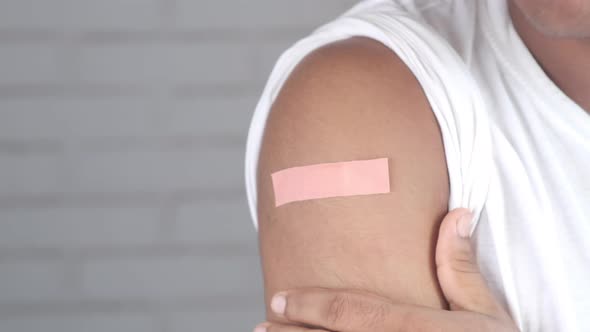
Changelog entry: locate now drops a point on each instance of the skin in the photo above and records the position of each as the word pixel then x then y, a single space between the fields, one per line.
pixel 355 100
pixel 472 305
pixel 557 32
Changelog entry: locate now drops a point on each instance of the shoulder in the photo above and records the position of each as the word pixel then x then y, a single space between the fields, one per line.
pixel 357 98
pixel 364 66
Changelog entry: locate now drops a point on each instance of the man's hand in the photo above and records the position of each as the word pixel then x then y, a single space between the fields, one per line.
pixel 472 305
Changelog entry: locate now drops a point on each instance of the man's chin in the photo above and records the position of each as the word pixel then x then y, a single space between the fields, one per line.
pixel 557 18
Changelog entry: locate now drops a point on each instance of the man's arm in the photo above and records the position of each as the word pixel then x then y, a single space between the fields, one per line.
pixel 354 100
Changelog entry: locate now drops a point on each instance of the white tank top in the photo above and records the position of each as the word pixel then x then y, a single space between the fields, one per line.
pixel 517 148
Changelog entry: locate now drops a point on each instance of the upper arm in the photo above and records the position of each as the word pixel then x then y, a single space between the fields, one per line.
pixel 354 100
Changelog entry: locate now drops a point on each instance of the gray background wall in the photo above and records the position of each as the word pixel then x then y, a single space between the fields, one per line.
pixel 122 131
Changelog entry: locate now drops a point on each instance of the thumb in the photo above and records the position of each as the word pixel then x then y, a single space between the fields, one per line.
pixel 458 273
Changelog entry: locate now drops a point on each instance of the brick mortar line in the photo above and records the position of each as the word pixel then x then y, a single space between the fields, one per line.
pixel 155 143
pixel 38 147
pixel 117 199
pixel 220 303
pixel 114 253
pixel 86 90
pixel 159 35
pixel 73 90
pixel 114 144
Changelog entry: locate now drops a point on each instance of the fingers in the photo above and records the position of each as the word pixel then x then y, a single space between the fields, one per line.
pixel 276 327
pixel 337 310
pixel 355 311
pixel 458 273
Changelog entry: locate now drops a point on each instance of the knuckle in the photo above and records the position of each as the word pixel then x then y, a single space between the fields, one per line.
pixel 374 316
pixel 349 311
pixel 337 307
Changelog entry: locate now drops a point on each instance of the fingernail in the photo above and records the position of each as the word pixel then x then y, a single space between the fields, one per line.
pixel 278 303
pixel 464 225
pixel 261 327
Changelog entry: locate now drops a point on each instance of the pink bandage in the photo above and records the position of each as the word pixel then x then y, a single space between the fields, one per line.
pixel 361 177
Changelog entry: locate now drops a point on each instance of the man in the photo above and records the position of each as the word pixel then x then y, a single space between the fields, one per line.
pixel 476 104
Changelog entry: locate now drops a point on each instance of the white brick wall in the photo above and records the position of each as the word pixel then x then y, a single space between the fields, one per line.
pixel 93 227
pixel 81 15
pixel 192 225
pixel 29 63
pixel 76 119
pixel 265 13
pixel 81 323
pixel 165 277
pixel 163 63
pixel 31 281
pixel 122 132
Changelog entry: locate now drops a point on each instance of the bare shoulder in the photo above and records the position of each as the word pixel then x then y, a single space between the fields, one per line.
pixel 353 100
pixel 355 88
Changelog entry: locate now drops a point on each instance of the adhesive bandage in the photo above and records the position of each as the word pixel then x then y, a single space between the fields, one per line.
pixel 350 178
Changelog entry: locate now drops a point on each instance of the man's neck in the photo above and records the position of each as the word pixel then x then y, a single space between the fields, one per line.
pixel 566 61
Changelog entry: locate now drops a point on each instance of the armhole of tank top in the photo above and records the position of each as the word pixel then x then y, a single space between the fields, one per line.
pixel 454 100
